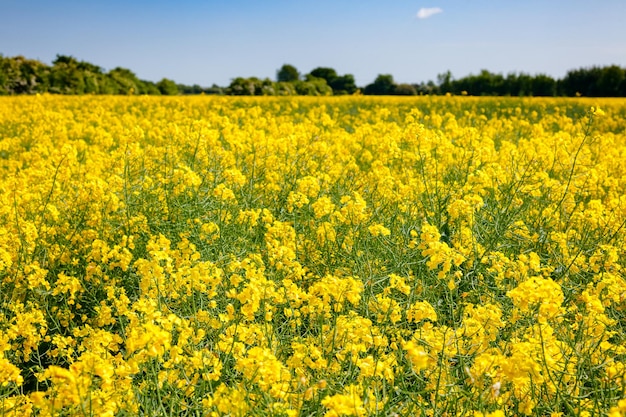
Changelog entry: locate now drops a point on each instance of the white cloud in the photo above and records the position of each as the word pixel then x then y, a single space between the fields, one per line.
pixel 426 12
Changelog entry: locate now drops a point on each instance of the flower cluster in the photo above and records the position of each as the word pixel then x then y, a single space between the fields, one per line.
pixel 337 256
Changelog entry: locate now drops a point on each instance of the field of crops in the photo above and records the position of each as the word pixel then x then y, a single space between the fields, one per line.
pixel 339 256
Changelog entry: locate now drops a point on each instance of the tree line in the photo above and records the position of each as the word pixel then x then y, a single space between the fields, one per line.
pixel 68 75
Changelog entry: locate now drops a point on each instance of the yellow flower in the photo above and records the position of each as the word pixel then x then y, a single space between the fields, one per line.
pixel 323 206
pixel 261 367
pixel 9 373
pixel 349 404
pixel 417 356
pixel 541 292
pixel 421 310
pixel 597 111
pixel 378 230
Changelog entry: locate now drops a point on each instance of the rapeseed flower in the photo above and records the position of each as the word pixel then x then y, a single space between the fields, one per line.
pixel 340 256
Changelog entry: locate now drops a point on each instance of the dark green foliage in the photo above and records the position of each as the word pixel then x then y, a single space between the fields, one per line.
pixel 445 82
pixel 426 88
pixel 405 90
pixel 19 75
pixel 485 83
pixel 344 84
pixel 253 86
pixel 382 85
pixel 326 73
pixel 287 73
pixel 68 75
pixel 595 82
pixel 519 84
pixel 197 89
pixel 167 87
pixel 340 84
pixel 590 82
pixel 313 87
pixel 543 85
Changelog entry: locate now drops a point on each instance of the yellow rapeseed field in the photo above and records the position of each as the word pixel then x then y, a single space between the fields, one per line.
pixel 338 256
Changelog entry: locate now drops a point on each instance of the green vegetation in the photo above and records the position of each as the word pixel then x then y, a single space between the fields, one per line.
pixel 67 75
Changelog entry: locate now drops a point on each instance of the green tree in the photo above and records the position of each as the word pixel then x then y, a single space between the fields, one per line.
pixel 344 84
pixel 518 84
pixel 252 86
pixel 66 77
pixel 214 89
pixel 426 88
pixel 191 89
pixel 382 85
pixel 126 82
pixel 93 77
pixel 610 81
pixel 313 87
pixel 4 76
pixel 543 85
pixel 405 90
pixel 340 84
pixel 483 84
pixel 444 81
pixel 167 87
pixel 287 73
pixel 285 88
pixel 582 81
pixel 328 74
pixel 241 86
pixel 19 75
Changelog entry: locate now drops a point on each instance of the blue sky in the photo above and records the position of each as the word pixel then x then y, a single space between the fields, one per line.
pixel 211 42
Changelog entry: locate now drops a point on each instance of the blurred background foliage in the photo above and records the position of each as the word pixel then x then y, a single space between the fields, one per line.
pixel 68 75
